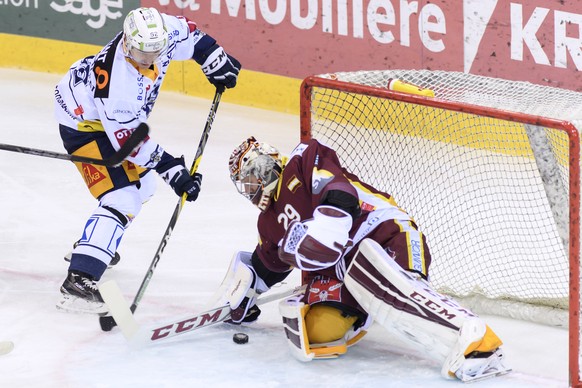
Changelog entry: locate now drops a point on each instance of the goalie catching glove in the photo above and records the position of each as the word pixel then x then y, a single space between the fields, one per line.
pixel 173 172
pixel 319 242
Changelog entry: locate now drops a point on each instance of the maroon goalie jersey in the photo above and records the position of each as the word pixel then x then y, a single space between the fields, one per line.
pixel 311 171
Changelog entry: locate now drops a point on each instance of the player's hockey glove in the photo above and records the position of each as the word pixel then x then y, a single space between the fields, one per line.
pixel 220 68
pixel 175 174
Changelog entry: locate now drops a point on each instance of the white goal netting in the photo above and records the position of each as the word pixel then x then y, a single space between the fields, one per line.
pixel 487 182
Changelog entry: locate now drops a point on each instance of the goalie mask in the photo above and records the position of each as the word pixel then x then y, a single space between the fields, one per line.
pixel 145 38
pixel 255 169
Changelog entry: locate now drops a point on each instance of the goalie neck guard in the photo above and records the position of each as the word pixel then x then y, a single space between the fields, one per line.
pixel 255 169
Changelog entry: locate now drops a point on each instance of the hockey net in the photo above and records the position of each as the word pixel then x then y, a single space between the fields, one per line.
pixel 489 170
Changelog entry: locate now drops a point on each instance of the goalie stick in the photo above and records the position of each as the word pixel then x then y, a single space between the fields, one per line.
pixel 139 336
pixel 108 322
pixel 133 141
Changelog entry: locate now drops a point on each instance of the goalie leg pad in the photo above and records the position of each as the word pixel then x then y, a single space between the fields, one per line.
pixel 404 303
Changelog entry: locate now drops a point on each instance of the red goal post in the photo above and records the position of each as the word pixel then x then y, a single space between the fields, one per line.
pixel 489 169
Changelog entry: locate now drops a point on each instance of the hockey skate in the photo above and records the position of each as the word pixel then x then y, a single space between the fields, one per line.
pixel 476 355
pixel 111 264
pixel 80 295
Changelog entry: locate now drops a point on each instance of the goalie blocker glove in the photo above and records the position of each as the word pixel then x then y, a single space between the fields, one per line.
pixel 173 171
pixel 220 68
pixel 243 286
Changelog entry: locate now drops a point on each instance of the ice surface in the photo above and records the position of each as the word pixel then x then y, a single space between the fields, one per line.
pixel 43 207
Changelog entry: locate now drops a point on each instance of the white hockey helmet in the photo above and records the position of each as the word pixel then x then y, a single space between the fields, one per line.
pixel 255 169
pixel 145 38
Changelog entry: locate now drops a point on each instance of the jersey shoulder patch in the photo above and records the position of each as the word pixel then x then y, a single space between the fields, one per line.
pixel 102 67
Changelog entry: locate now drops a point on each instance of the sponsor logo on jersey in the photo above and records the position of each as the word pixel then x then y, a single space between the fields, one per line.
pixel 122 135
pixel 91 175
pixel 123 111
pixel 102 67
pixel 367 207
pixel 101 78
pixel 416 255
pixel 140 89
pixel 79 110
pixel 61 102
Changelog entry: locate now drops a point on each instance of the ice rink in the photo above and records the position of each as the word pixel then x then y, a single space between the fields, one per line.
pixel 44 205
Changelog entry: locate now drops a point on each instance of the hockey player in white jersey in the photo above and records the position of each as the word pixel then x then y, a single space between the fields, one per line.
pixel 363 259
pixel 98 103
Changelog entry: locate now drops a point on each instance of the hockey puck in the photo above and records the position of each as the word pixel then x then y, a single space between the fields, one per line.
pixel 240 338
pixel 107 322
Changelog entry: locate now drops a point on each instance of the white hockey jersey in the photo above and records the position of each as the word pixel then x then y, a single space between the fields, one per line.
pixel 107 92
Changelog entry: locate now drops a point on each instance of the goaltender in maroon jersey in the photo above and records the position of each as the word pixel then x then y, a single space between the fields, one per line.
pixel 364 259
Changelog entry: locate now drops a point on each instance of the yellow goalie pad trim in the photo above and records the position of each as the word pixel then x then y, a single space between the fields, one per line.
pixel 337 348
pixel 489 343
pixel 326 329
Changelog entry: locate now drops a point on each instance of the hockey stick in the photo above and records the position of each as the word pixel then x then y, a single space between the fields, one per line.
pixel 108 322
pixel 139 336
pixel 132 142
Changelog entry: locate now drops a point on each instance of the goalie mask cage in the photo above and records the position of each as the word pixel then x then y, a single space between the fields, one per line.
pixel 489 170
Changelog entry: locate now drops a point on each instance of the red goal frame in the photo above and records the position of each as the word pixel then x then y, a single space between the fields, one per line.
pixel 574 177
